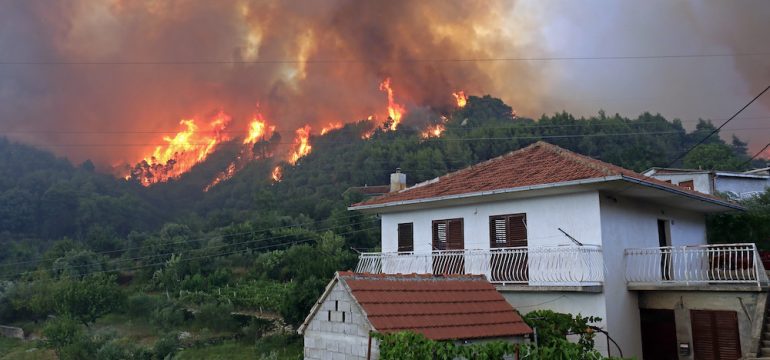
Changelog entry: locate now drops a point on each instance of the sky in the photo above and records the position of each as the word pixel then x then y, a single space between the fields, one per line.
pixel 106 80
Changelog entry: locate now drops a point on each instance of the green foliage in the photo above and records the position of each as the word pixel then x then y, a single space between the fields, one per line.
pixel 717 156
pixel 166 346
pixel 216 317
pixel 753 225
pixel 89 298
pixel 141 305
pixel 553 327
pixel 167 315
pixel 64 335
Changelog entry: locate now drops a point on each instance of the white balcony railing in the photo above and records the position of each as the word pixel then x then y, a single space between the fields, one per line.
pixel 701 264
pixel 541 265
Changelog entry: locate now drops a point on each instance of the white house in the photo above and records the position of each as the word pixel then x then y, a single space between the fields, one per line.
pixel 462 308
pixel 736 185
pixel 556 230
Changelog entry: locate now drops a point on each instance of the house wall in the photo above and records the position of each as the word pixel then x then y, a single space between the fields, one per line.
pixel 584 303
pixel 740 185
pixel 335 339
pixel 749 306
pixel 577 214
pixel 632 223
pixel 701 181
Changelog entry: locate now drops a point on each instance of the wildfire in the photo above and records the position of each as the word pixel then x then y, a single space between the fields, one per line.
pixel 301 145
pixel 277 173
pixel 433 131
pixel 330 127
pixel 395 110
pixel 258 130
pixel 461 99
pixel 183 151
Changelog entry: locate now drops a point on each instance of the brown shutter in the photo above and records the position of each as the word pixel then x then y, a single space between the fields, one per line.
pixel 439 234
pixel 517 230
pixel 455 236
pixel 715 335
pixel 497 231
pixel 406 237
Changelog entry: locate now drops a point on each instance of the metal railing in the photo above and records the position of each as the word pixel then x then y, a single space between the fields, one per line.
pixel 535 265
pixel 698 264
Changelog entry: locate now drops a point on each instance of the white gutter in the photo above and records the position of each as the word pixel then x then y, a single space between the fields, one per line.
pixel 488 192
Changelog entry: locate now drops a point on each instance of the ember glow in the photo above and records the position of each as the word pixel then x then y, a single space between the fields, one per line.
pixel 258 130
pixel 183 151
pixel 330 127
pixel 301 146
pixel 395 110
pixel 433 131
pixel 277 173
pixel 460 98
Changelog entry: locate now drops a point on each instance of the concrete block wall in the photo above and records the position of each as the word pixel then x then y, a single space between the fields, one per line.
pixel 329 337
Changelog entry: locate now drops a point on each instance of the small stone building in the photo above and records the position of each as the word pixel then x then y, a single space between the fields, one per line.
pixel 461 307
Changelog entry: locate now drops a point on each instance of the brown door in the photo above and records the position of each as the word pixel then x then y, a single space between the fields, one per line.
pixel 658 334
pixel 715 335
pixel 448 237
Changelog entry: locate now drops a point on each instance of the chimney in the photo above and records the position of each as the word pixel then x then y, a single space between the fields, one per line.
pixel 397 181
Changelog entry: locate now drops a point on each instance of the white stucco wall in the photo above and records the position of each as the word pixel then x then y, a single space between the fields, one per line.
pixel 632 223
pixel 577 214
pixel 740 185
pixel 701 181
pixel 336 339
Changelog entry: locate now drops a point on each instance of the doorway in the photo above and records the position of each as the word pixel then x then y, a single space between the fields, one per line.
pixel 658 334
pixel 664 241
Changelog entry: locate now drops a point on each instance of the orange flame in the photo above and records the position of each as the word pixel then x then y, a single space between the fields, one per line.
pixel 433 131
pixel 301 145
pixel 258 129
pixel 277 173
pixel 183 151
pixel 395 110
pixel 330 127
pixel 461 99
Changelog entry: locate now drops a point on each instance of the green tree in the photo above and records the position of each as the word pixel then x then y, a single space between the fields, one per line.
pixel 715 156
pixel 88 298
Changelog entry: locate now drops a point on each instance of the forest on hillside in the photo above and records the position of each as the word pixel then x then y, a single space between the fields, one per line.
pixel 87 246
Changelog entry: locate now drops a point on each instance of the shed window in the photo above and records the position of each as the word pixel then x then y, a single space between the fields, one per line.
pixel 508 230
pixel 406 237
pixel 448 234
pixel 689 184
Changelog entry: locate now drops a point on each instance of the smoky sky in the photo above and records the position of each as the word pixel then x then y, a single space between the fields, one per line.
pixel 133 69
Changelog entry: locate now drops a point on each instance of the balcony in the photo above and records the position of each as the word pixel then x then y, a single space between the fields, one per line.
pixel 545 266
pixel 703 267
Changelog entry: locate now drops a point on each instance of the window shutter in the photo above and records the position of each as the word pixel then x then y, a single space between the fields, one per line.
pixel 497 232
pixel 455 236
pixel 406 237
pixel 439 235
pixel 715 335
pixel 726 334
pixel 517 230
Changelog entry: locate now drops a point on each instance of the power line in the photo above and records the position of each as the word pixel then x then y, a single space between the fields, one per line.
pixel 719 128
pixel 381 60
pixel 755 155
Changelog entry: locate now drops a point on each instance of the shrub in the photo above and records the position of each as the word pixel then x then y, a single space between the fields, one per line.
pixel 141 305
pixel 216 317
pixel 166 346
pixel 167 315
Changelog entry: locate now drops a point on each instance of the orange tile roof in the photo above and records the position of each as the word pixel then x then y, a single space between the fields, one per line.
pixel 538 164
pixel 439 307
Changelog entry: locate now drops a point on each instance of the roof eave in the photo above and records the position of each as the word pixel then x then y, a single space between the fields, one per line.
pixel 684 193
pixel 487 192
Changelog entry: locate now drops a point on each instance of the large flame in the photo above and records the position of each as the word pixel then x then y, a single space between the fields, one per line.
pixel 183 151
pixel 259 130
pixel 433 131
pixel 460 98
pixel 395 110
pixel 301 146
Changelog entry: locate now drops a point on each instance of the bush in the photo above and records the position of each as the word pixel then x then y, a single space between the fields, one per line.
pixel 168 315
pixel 65 336
pixel 553 327
pixel 216 317
pixel 166 346
pixel 141 305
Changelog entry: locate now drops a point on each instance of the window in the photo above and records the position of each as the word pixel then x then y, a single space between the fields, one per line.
pixel 508 230
pixel 448 234
pixel 405 237
pixel 715 334
pixel 689 184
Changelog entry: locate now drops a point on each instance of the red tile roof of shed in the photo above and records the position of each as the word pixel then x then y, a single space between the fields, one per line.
pixel 537 164
pixel 441 308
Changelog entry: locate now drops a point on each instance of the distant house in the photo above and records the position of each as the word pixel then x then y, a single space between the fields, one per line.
pixel 463 308
pixel 556 230
pixel 736 185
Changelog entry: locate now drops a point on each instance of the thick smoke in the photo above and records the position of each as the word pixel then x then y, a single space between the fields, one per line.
pixel 301 61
